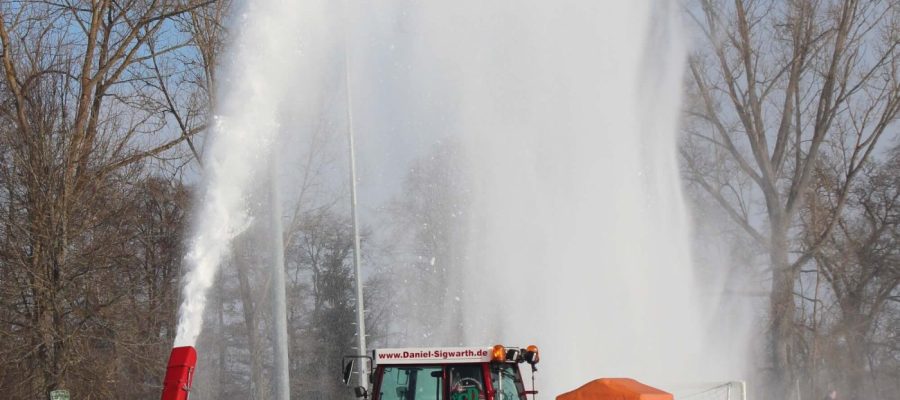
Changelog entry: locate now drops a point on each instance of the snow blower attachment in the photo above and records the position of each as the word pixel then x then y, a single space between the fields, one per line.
pixel 179 373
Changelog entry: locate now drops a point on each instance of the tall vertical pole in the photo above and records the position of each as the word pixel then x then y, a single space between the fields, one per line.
pixel 279 300
pixel 360 307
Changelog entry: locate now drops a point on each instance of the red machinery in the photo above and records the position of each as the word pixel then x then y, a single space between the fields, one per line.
pixel 179 373
pixel 475 373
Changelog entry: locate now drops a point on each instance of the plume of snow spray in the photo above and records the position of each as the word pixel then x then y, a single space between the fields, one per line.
pixel 264 57
pixel 579 237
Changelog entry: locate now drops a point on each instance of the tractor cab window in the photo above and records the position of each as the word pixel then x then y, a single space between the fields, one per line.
pixel 507 382
pixel 466 382
pixel 412 383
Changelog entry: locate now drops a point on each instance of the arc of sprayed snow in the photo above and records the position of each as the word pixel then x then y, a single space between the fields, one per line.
pixel 264 62
pixel 223 216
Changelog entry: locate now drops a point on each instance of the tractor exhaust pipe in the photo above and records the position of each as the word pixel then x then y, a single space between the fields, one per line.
pixel 179 373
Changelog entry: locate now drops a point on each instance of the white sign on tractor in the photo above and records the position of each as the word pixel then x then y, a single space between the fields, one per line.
pixel 436 355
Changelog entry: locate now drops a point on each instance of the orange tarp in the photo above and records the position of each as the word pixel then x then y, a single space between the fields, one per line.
pixel 615 389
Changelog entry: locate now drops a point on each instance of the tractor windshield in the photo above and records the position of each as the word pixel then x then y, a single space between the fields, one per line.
pixel 412 383
pixel 464 382
pixel 507 382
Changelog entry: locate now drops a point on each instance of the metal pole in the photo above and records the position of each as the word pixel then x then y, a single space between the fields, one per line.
pixel 360 307
pixel 279 307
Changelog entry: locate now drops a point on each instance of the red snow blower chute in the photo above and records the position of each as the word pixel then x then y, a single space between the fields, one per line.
pixel 179 373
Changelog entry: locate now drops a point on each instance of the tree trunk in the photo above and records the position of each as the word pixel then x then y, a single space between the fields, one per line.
pixel 220 339
pixel 855 334
pixel 251 323
pixel 781 305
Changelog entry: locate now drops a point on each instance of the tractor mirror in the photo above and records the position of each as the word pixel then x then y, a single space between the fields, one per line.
pixel 361 392
pixel 348 369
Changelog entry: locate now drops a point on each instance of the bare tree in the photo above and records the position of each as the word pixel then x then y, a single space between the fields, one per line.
pixel 775 86
pixel 427 236
pixel 80 121
pixel 320 264
pixel 185 81
pixel 860 264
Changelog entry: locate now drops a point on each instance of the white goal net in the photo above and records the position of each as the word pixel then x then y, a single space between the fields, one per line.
pixel 735 390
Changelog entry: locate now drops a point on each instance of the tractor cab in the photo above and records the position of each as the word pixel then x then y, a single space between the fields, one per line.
pixel 460 373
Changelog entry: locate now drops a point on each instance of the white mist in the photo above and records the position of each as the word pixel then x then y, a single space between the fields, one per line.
pixel 579 242
pixel 262 60
pixel 567 111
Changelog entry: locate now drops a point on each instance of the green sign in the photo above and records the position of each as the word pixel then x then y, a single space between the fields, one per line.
pixel 59 395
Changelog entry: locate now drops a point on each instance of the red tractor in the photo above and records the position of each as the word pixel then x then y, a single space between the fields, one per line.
pixel 458 373
pixel 476 373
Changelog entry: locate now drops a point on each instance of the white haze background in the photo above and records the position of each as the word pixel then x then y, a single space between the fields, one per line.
pixel 567 112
